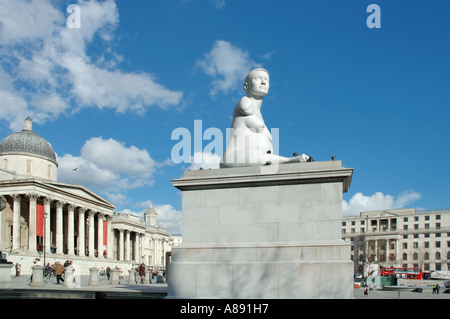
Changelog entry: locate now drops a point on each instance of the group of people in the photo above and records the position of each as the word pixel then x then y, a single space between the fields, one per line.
pixel 436 289
pixel 140 271
pixel 57 270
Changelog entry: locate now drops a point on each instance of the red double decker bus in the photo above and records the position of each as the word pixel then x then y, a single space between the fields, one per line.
pixel 402 272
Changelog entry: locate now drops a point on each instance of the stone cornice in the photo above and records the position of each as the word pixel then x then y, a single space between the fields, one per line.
pixel 254 176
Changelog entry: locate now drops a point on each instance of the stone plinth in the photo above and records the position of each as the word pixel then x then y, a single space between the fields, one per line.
pixel 261 232
pixel 93 276
pixel 38 276
pixel 5 274
pixel 115 276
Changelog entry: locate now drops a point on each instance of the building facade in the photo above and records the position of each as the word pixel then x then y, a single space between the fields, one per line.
pixel 399 238
pixel 43 218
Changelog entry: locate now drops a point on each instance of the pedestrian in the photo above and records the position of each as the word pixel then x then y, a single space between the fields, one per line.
pixel 18 268
pixel 108 272
pixel 366 292
pixel 437 289
pixel 434 289
pixel 141 271
pixel 59 269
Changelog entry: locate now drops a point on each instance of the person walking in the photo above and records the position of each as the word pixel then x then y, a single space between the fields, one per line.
pixel 18 268
pixel 141 271
pixel 59 270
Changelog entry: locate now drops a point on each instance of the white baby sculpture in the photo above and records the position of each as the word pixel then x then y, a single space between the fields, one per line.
pixel 250 141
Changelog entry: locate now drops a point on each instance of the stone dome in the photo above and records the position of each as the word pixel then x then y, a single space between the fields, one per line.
pixel 27 142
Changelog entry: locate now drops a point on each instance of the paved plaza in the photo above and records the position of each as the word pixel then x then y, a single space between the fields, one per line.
pixel 127 290
pixel 17 287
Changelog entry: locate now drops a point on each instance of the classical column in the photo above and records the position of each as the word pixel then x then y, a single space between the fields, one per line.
pixel 32 222
pixel 91 234
pixel 47 202
pixel 59 227
pixel 109 234
pixel 127 245
pixel 16 222
pixel 100 234
pixel 137 256
pixel 70 230
pixel 121 242
pixel 81 246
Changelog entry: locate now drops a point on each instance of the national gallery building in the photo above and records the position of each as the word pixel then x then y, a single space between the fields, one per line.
pixel 43 218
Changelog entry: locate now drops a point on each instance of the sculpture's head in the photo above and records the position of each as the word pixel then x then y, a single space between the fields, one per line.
pixel 257 83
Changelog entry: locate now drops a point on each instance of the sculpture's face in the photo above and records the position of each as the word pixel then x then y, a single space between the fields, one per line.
pixel 259 83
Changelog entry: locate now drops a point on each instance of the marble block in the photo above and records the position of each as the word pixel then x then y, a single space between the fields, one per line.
pixel 254 234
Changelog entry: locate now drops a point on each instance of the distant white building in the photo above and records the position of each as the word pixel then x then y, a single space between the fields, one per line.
pixel 44 218
pixel 399 238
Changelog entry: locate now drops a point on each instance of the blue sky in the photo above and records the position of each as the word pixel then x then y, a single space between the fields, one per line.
pixel 109 94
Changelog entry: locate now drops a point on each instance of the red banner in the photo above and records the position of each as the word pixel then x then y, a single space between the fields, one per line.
pixel 39 220
pixel 105 232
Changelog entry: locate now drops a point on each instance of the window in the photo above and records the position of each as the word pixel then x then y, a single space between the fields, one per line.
pixel 438 216
pixel 415 245
pixel 426 244
pixel 427 217
pixel 438 244
pixel 416 218
pixel 438 225
pixel 5 164
pixel 28 167
pixel 437 256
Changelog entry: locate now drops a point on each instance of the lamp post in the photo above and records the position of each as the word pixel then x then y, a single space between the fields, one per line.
pixel 44 214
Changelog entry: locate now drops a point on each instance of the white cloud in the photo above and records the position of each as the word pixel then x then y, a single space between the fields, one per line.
pixel 378 201
pixel 168 217
pixel 227 65
pixel 108 166
pixel 48 70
